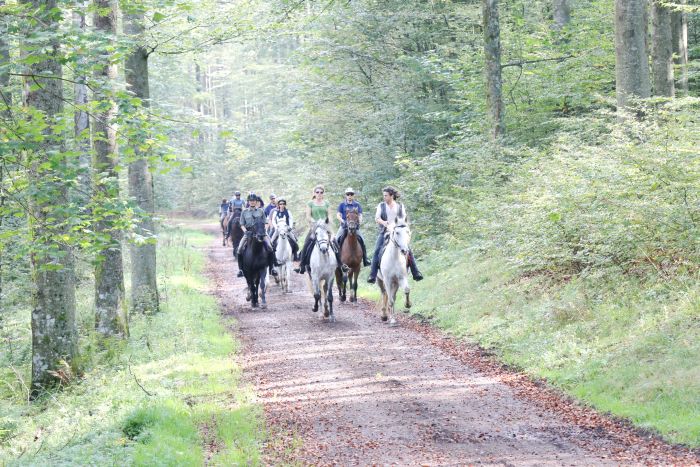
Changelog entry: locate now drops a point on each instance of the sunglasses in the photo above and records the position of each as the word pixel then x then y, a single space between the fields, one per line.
pixel 319 192
pixel 349 194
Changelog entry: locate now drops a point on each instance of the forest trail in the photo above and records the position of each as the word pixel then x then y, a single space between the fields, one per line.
pixel 360 392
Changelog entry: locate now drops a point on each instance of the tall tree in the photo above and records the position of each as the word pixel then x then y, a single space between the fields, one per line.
pixel 492 52
pixel 110 315
pixel 662 50
pixel 561 13
pixel 679 33
pixel 54 334
pixel 81 117
pixel 144 286
pixel 5 113
pixel 631 61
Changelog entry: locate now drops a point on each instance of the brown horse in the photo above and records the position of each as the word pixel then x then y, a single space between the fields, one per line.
pixel 351 256
pixel 224 226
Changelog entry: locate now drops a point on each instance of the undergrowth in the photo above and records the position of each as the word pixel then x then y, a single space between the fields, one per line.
pixel 626 344
pixel 171 395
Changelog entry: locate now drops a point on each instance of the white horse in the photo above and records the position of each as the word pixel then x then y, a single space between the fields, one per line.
pixel 283 254
pixel 323 264
pixel 393 272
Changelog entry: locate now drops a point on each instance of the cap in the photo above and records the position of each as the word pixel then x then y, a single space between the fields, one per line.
pixel 272 196
pixel 349 191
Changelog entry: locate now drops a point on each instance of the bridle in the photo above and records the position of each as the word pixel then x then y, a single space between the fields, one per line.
pixel 322 242
pixel 392 237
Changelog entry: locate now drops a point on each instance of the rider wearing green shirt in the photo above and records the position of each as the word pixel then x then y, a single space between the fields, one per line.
pixel 317 209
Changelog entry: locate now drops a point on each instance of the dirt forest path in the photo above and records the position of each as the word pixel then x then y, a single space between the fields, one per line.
pixel 358 392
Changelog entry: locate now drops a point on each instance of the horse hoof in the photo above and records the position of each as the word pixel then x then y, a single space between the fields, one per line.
pixel 332 319
pixel 264 306
pixel 326 314
pixel 385 318
pixel 393 323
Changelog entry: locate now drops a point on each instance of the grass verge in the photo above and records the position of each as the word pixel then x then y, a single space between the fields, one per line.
pixel 627 346
pixel 171 395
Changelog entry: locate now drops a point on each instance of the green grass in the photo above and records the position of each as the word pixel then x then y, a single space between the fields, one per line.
pixel 624 345
pixel 182 356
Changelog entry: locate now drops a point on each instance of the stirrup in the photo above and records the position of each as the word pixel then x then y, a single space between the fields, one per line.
pixel 371 279
pixel 345 268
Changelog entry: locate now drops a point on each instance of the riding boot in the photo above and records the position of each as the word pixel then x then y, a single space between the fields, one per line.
pixel 375 258
pixel 417 276
pixel 365 261
pixel 373 272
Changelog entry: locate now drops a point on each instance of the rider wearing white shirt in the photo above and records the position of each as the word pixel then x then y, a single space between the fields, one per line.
pixel 388 213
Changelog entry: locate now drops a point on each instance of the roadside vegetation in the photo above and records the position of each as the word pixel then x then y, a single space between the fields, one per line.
pixel 171 395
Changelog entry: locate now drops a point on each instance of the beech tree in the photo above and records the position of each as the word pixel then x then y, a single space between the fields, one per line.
pixel 492 52
pixel 144 286
pixel 631 60
pixel 679 38
pixel 561 13
pixel 662 50
pixel 54 335
pixel 110 315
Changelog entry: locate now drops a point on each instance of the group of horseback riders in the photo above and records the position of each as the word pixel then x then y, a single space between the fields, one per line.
pixel 252 211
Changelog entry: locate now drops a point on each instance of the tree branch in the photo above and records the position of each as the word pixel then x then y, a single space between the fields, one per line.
pixel 520 63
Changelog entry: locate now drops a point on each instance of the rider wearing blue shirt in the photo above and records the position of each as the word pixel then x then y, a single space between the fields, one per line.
pixel 236 203
pixel 350 203
pixel 271 206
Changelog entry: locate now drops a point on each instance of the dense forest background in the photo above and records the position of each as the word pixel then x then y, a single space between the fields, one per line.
pixel 568 201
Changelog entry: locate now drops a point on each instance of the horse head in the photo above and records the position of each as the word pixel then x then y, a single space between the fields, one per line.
pixel 400 236
pixel 282 228
pixel 258 230
pixel 321 233
pixel 352 219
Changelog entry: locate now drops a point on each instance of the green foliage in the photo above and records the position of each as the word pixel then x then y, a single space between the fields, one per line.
pixel 624 345
pixel 181 357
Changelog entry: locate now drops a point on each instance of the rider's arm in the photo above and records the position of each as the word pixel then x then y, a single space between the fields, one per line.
pixel 291 219
pixel 378 216
pixel 308 214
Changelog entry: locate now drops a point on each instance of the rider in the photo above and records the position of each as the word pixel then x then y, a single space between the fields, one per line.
pixel 249 218
pixel 316 209
pixel 350 203
pixel 271 206
pixel 281 212
pixel 223 209
pixel 236 203
pixel 388 212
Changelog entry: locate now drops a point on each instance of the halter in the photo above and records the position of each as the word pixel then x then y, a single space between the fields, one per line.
pixel 321 242
pixel 393 239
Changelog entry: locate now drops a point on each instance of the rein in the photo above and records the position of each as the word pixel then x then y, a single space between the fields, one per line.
pixel 393 239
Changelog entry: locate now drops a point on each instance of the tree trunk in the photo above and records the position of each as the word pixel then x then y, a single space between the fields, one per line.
pixel 631 61
pixel 81 118
pixel 662 50
pixel 5 113
pixel 110 316
pixel 679 33
pixel 144 285
pixel 54 337
pixel 492 52
pixel 562 13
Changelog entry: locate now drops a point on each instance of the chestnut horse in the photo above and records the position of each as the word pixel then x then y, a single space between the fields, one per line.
pixel 351 256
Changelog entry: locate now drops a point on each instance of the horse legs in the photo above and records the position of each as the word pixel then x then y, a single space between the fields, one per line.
pixel 263 289
pixel 329 300
pixel 326 310
pixel 391 301
pixel 254 291
pixel 317 294
pixel 382 287
pixel 407 292
pixel 354 276
pixel 339 280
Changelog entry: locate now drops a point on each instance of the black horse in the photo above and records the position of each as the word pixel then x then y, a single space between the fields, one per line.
pixel 234 230
pixel 253 261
